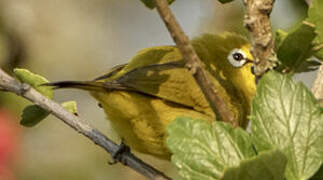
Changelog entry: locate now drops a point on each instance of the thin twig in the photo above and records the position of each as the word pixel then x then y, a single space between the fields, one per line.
pixel 318 84
pixel 257 21
pixel 194 64
pixel 127 158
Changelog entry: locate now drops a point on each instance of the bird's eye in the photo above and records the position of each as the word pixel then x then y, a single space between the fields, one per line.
pixel 237 58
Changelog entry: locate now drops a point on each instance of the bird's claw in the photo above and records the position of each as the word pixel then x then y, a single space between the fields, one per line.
pixel 117 155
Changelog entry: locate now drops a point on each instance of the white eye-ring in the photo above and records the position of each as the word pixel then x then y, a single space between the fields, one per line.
pixel 237 58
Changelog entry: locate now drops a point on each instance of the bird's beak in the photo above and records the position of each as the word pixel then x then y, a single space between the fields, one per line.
pixel 249 60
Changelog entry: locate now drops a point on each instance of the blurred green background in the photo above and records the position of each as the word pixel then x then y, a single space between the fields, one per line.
pixel 79 40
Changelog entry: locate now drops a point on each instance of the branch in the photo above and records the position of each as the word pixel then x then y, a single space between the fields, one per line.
pixel 194 64
pixel 127 158
pixel 318 84
pixel 258 23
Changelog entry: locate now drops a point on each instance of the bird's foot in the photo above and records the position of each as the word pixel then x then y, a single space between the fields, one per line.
pixel 117 155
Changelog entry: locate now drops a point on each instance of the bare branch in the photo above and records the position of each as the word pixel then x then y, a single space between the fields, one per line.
pixel 127 158
pixel 194 64
pixel 258 23
pixel 318 84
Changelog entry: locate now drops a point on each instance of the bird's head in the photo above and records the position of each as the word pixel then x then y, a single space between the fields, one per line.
pixel 228 57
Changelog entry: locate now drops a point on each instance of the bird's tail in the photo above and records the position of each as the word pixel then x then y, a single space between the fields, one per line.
pixel 84 85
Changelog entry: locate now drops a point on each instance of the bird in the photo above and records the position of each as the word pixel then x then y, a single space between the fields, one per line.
pixel 141 97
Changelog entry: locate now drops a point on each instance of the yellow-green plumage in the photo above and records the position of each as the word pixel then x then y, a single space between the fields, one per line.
pixel 142 97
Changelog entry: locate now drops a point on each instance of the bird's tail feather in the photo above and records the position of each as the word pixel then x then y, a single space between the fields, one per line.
pixel 85 85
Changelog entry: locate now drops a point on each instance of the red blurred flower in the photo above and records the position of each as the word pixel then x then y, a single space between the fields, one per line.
pixel 9 133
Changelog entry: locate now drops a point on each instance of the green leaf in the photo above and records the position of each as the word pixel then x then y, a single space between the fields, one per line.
pixel 280 37
pixel 32 115
pixel 151 3
pixel 35 81
pixel 295 49
pixel 268 165
pixel 285 115
pixel 70 106
pixel 315 16
pixel 204 151
pixel 225 1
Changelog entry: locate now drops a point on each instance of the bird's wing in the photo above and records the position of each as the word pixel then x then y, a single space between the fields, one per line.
pixel 169 81
pixel 160 72
pixel 111 72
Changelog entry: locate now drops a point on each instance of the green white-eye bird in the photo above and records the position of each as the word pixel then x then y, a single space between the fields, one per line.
pixel 142 97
